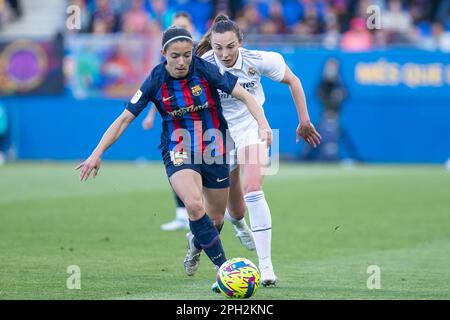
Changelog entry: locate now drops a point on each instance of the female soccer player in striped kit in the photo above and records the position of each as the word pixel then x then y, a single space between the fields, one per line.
pixel 184 89
pixel 221 46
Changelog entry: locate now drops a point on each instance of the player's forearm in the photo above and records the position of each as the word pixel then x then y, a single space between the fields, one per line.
pixel 111 135
pixel 299 99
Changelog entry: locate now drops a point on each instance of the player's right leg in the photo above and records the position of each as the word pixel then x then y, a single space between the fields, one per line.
pixel 187 183
pixel 259 211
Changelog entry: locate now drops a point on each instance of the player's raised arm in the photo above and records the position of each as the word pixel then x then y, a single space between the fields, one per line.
pixel 114 131
pixel 264 129
pixel 305 128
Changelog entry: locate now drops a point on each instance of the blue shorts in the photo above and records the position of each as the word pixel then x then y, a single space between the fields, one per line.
pixel 214 175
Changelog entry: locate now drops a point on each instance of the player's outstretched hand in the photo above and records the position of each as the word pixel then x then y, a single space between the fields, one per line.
pixel 265 134
pixel 307 131
pixel 91 164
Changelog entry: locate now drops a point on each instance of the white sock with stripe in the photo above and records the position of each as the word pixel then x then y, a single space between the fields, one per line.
pixel 261 224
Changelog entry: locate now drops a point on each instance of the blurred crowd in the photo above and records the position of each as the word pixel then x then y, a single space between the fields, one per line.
pixel 333 23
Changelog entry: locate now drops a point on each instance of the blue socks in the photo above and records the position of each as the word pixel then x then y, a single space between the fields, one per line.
pixel 206 237
pixel 198 245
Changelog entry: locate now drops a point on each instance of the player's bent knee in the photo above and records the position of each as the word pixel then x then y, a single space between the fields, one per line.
pixel 194 208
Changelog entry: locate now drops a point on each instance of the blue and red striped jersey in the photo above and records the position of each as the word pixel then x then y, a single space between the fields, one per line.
pixel 191 103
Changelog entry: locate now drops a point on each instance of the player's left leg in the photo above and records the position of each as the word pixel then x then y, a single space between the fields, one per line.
pixel 253 159
pixel 215 204
pixel 235 212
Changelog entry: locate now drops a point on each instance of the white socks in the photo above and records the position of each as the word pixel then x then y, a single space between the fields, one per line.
pixel 239 224
pixel 181 213
pixel 261 223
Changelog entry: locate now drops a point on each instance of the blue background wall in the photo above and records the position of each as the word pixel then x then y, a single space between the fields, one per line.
pixel 408 121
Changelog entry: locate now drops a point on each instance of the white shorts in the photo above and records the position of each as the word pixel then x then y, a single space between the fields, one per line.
pixel 246 135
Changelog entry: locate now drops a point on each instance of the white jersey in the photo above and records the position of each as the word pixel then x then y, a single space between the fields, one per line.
pixel 250 66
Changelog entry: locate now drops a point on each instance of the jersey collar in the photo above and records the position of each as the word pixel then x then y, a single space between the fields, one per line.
pixel 238 65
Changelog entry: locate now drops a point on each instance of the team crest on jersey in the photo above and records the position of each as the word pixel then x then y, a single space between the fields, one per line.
pixel 196 90
pixel 251 71
pixel 177 158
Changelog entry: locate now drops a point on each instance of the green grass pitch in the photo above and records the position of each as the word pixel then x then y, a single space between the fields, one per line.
pixel 330 224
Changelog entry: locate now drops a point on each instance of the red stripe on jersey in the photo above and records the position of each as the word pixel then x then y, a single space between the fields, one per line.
pixel 194 114
pixel 214 116
pixel 176 123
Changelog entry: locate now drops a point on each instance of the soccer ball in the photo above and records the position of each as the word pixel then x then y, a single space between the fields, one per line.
pixel 238 278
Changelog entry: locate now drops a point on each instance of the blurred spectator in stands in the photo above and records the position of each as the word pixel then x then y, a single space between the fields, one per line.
pixel 229 7
pixel 331 36
pixel 331 90
pixel 443 14
pixel 358 38
pixel 103 19
pixel 342 13
pixel 312 22
pixel 249 20
pixel 135 20
pixel 332 93
pixel 183 19
pixel 160 11
pixel 276 18
pixel 396 22
pixel 379 39
pixel 438 39
pixel 424 10
pixel 100 27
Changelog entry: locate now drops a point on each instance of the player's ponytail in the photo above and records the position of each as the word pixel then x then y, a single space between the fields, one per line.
pixel 222 23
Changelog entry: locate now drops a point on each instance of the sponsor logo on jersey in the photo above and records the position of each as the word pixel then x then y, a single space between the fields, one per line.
pixel 248 85
pixel 182 111
pixel 196 90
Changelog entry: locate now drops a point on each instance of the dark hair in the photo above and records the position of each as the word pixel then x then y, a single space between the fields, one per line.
pixel 222 23
pixel 183 14
pixel 173 34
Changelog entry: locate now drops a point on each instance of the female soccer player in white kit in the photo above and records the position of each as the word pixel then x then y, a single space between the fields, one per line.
pixel 221 45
